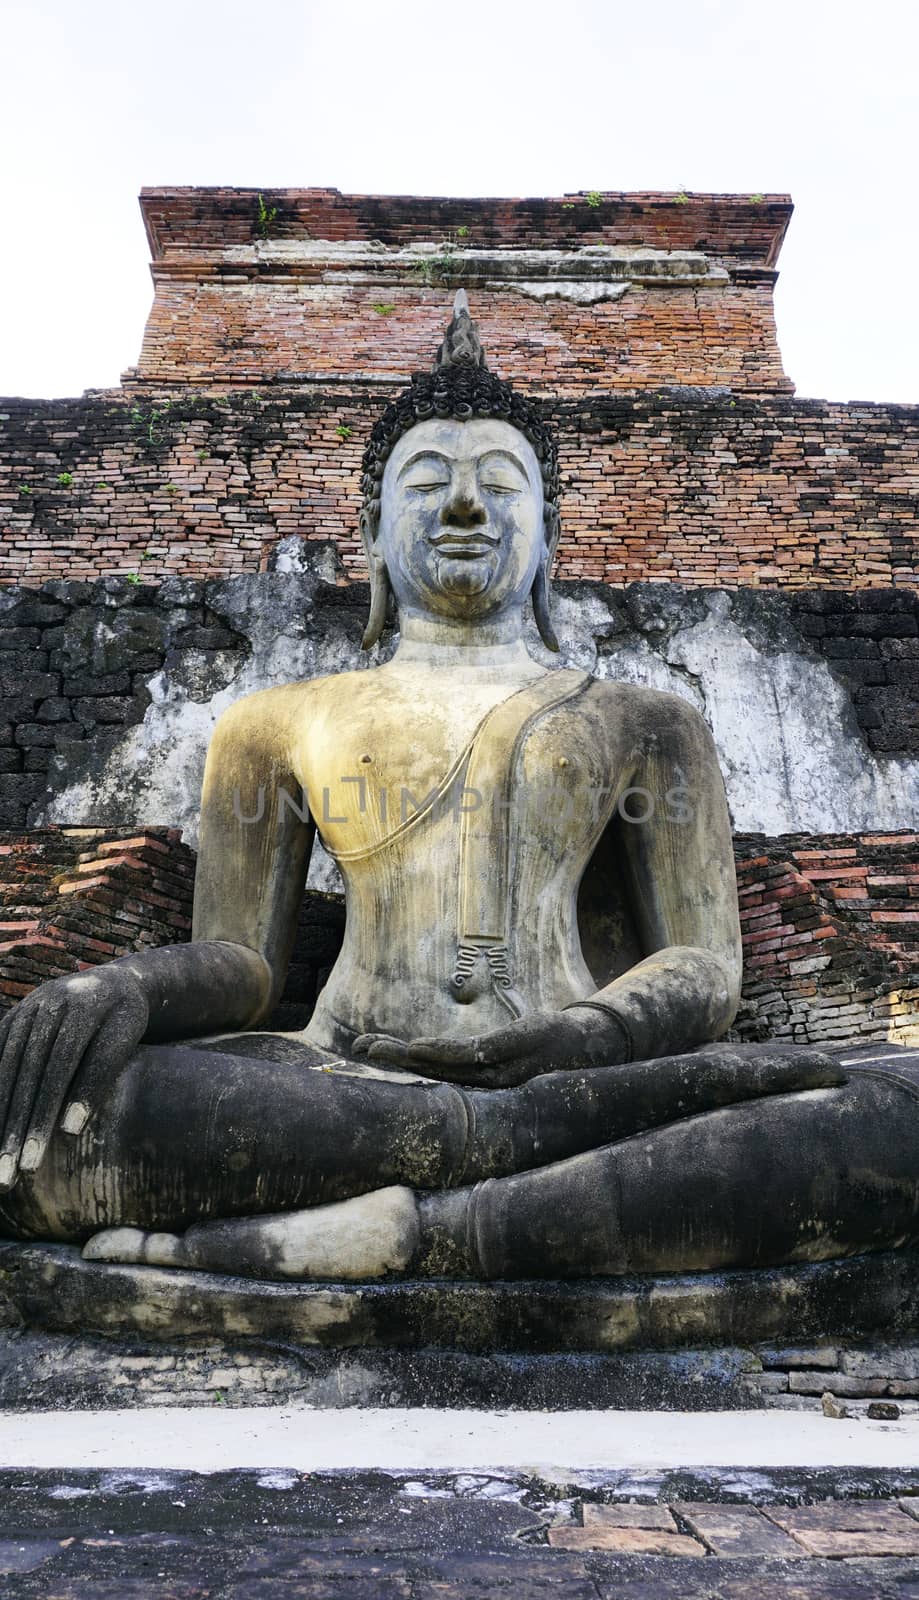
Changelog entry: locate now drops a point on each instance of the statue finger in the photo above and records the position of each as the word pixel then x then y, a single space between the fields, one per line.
pixel 738 1074
pixel 6 1022
pixel 783 1070
pixel 365 1042
pixel 445 1052
pixel 510 1074
pixel 387 1049
pixel 74 1036
pixel 503 1044
pixel 113 1043
pixel 8 1062
pixel 817 1069
pixel 33 1041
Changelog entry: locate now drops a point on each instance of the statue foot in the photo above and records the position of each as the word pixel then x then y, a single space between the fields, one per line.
pixel 368 1237
pixel 135 1246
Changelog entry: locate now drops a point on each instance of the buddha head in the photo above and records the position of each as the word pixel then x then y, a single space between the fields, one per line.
pixel 460 494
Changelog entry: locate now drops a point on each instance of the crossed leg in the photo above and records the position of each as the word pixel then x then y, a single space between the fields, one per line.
pixel 297 1166
pixel 784 1178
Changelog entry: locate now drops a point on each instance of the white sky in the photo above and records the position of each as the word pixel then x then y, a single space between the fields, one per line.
pixel 815 97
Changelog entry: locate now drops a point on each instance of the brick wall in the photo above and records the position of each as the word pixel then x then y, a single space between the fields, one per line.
pixel 741 228
pixel 683 487
pixel 830 925
pixel 628 290
pixel 219 335
pixel 74 897
pixel 831 937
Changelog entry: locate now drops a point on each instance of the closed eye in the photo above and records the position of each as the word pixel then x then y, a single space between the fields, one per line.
pixel 428 484
pixel 502 488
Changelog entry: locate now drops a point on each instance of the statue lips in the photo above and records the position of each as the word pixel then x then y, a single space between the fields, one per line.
pixel 464 547
pixel 466 563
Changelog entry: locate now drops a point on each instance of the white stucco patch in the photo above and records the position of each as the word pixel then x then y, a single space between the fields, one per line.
pixel 790 749
pixel 581 294
pixel 792 753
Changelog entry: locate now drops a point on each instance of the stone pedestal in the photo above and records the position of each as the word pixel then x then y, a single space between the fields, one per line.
pixel 83 1334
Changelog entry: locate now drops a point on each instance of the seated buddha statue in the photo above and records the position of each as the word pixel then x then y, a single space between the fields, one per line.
pixel 514 1068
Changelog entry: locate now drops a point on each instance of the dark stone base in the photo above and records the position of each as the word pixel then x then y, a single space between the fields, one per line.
pixel 81 1334
pixel 47 1371
pixel 51 1287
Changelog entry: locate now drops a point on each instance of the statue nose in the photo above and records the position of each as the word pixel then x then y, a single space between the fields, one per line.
pixel 464 508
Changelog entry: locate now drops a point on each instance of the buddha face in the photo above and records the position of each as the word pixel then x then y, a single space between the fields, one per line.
pixel 461 518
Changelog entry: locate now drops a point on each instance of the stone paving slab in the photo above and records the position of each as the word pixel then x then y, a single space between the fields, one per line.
pixel 626 1541
pixel 850 1528
pixel 244 1536
pixel 629 1515
pixel 737 1532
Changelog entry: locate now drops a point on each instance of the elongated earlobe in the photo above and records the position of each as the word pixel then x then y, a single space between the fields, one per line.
pixel 379 577
pixel 539 594
pixel 379 601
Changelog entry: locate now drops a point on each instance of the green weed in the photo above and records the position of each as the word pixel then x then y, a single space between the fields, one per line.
pixel 265 216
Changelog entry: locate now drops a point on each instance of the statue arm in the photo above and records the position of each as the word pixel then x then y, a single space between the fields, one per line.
pixel 70 1036
pixel 253 856
pixel 680 867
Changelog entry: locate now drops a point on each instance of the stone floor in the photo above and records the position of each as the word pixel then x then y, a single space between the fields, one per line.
pixel 373 1536
pixel 233 1492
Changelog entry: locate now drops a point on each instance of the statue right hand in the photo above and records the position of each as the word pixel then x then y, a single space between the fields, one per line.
pixel 57 1047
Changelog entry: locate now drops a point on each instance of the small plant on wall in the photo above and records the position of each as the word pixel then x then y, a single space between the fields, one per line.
pixel 146 424
pixel 265 216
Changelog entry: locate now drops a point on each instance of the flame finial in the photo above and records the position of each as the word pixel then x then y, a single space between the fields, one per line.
pixel 461 344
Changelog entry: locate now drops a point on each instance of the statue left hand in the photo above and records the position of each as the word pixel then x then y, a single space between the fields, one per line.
pixel 546 1041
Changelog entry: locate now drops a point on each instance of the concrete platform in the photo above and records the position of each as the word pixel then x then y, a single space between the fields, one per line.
pixel 558 1446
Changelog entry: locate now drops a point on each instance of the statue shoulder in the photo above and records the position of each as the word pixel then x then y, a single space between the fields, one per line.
pixel 266 712
pixel 284 708
pixel 670 717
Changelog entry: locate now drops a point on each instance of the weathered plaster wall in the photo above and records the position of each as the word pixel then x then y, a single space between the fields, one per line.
pixel 687 486
pixel 109 692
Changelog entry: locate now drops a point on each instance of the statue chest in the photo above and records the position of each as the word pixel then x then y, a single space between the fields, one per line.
pixel 535 776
